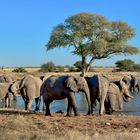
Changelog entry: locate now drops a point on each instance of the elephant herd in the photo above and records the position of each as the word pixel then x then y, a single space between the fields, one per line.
pixel 109 94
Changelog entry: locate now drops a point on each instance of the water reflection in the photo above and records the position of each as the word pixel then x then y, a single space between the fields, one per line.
pixel 130 108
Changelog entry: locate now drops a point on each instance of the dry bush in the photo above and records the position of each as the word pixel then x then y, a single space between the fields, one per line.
pixel 71 135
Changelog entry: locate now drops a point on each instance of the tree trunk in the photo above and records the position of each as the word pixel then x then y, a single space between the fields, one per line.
pixel 86 67
pixel 83 72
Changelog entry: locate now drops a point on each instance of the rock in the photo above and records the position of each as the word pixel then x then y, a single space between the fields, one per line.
pixel 108 124
pixel 135 129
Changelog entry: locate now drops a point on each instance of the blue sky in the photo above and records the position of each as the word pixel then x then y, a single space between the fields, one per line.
pixel 26 25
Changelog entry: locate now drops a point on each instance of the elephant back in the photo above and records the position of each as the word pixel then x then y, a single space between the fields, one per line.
pixel 32 83
pixel 4 89
pixel 5 79
pixel 98 84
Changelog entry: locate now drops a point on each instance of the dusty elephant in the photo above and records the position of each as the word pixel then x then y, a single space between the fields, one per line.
pixel 5 79
pixel 133 82
pixel 60 87
pixel 117 93
pixel 30 89
pixel 7 91
pixel 10 100
pixel 98 86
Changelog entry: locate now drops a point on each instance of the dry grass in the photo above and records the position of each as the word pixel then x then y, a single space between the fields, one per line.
pixel 107 71
pixel 21 126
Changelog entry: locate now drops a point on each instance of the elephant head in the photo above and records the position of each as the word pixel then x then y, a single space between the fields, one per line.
pixel 79 84
pixel 125 91
pixel 14 88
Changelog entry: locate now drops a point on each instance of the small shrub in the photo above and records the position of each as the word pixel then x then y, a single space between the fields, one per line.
pixel 60 69
pixel 48 67
pixel 19 70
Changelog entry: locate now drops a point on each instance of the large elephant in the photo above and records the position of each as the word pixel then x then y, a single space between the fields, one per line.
pixel 10 99
pixel 30 89
pixel 7 90
pixel 117 93
pixel 98 86
pixel 133 82
pixel 61 87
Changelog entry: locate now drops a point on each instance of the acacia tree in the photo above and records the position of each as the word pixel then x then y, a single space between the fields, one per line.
pixel 92 36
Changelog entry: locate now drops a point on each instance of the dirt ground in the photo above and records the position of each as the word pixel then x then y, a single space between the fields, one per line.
pixel 59 124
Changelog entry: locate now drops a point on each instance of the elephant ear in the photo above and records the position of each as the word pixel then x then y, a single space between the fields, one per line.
pixel 71 84
pixel 122 84
pixel 14 88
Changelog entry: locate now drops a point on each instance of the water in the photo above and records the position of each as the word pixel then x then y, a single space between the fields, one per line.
pixel 130 108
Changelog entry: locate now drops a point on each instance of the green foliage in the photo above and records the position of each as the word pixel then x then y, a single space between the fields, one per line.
pixel 78 65
pixel 92 36
pixel 60 69
pixel 48 67
pixel 137 67
pixel 19 70
pixel 127 65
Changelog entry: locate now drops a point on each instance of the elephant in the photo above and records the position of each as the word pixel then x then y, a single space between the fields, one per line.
pixel 98 86
pixel 10 99
pixel 7 91
pixel 5 79
pixel 118 92
pixel 29 90
pixel 61 87
pixel 133 82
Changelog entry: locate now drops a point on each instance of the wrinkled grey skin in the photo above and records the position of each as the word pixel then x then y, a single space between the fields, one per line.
pixel 30 89
pixel 98 86
pixel 10 98
pixel 133 82
pixel 8 91
pixel 61 87
pixel 117 93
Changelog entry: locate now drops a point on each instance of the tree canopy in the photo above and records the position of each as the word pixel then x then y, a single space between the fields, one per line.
pixel 92 36
pixel 127 65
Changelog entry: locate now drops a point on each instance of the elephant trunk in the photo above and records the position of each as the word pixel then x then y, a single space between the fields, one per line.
pixel 87 94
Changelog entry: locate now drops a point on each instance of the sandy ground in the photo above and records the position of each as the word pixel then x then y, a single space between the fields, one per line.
pixel 59 124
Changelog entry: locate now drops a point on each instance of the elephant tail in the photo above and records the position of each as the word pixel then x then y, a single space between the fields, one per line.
pixel 21 85
pixel 99 85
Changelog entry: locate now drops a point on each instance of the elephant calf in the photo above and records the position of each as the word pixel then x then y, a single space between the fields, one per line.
pixel 117 92
pixel 61 87
pixel 10 98
pixel 133 82
pixel 7 90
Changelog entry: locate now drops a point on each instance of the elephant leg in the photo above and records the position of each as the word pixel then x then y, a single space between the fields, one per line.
pixel 93 104
pixel 37 101
pixel 47 104
pixel 138 88
pixel 107 107
pixel 102 101
pixel 29 104
pixel 71 99
pixel 6 102
pixel 3 102
pixel 26 103
pixel 69 109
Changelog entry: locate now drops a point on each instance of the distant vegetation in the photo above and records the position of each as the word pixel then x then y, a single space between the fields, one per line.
pixel 51 67
pixel 48 67
pixel 19 70
pixel 127 65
